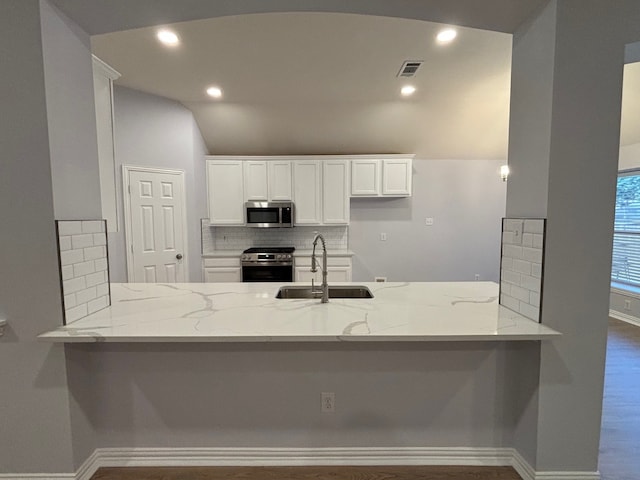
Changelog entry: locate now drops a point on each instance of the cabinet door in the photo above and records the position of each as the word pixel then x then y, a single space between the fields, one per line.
pixel 335 192
pixel 280 180
pixel 222 274
pixel 396 177
pixel 338 274
pixel 365 178
pixel 307 192
pixel 304 274
pixel 226 192
pixel 255 181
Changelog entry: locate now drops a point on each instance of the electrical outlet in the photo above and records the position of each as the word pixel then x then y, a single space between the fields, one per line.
pixel 477 277
pixel 328 402
pixel 379 279
pixel 428 221
pixel 383 237
pixel 627 304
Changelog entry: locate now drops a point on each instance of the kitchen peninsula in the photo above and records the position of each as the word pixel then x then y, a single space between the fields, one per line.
pixel 249 312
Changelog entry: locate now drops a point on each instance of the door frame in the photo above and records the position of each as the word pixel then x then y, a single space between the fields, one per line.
pixel 128 228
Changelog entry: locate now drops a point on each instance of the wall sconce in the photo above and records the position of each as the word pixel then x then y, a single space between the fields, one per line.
pixel 504 172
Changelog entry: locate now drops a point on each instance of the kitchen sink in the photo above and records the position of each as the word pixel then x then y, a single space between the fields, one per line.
pixel 337 291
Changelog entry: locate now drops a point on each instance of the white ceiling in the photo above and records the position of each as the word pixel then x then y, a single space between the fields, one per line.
pixel 326 83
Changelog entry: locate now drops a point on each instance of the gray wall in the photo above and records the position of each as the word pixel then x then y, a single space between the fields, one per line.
pixel 391 395
pixel 466 199
pixel 71 115
pixel 35 413
pixel 573 156
pixel 154 131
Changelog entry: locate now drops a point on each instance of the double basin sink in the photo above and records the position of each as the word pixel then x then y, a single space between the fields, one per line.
pixel 337 291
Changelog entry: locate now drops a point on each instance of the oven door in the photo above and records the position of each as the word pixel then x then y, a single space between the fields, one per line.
pixel 257 272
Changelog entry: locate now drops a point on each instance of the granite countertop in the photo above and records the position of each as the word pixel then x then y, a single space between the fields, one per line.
pixel 249 312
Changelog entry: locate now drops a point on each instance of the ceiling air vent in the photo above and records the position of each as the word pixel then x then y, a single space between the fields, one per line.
pixel 409 68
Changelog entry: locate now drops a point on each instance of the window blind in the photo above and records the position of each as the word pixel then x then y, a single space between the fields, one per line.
pixel 625 266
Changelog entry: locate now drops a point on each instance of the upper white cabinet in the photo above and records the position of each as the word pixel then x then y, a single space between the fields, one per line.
pixel 307 192
pixel 381 176
pixel 365 177
pixel 335 192
pixel 396 177
pixel 279 175
pixel 225 188
pixel 256 186
pixel 320 186
pixel 267 180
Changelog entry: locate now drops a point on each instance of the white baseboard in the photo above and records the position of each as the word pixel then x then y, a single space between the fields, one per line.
pixel 567 476
pixel 624 317
pixel 526 471
pixel 198 457
pixel 37 476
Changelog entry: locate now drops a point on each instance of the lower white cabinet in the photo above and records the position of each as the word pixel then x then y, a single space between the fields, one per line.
pixel 221 270
pixel 338 270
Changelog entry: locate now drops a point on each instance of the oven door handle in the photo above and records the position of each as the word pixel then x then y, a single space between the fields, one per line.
pixel 266 264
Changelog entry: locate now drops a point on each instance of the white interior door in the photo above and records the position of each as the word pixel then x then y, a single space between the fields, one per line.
pixel 156 219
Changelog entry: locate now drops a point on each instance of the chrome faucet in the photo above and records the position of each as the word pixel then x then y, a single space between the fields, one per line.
pixel 314 267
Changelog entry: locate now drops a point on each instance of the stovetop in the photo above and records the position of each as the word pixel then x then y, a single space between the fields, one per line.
pixel 270 250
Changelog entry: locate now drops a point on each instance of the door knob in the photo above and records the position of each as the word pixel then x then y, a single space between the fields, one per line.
pixel 179 256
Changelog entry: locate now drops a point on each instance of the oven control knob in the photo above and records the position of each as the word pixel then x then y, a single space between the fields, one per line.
pixel 279 257
pixel 245 257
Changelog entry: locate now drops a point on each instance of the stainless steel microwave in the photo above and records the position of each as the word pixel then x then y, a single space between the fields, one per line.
pixel 269 214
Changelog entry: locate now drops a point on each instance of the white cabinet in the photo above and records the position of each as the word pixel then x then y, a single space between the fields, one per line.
pixel 267 180
pixel 321 191
pixel 335 192
pixel 225 188
pixel 220 270
pixel 256 186
pixel 280 180
pixel 338 269
pixel 365 178
pixel 396 177
pixel 307 192
pixel 384 176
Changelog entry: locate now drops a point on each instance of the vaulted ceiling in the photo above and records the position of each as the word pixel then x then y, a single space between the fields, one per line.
pixel 298 83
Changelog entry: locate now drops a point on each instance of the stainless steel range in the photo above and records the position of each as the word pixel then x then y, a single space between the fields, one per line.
pixel 267 264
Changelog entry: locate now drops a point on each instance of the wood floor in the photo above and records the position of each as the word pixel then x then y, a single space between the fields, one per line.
pixel 620 437
pixel 619 445
pixel 309 473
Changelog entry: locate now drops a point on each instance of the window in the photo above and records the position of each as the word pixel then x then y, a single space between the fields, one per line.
pixel 625 268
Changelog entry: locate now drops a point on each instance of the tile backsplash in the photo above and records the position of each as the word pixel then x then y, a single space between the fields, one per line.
pixel 84 267
pixel 241 238
pixel 521 266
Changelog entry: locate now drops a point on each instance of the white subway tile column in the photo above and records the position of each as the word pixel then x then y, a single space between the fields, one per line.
pixel 84 267
pixel 521 265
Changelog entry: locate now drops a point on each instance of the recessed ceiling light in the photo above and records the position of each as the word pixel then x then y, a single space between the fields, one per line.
pixel 167 37
pixel 214 92
pixel 407 90
pixel 446 35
